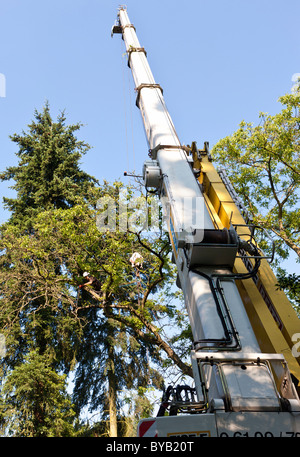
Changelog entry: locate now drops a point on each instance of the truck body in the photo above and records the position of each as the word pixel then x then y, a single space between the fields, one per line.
pixel 245 371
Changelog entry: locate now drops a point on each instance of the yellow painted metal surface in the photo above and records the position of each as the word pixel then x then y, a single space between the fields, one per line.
pixel 272 316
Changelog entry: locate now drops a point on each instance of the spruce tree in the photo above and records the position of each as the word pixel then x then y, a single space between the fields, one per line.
pixel 48 175
pixel 36 402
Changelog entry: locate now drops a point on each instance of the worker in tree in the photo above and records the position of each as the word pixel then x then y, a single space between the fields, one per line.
pixel 136 260
pixel 91 280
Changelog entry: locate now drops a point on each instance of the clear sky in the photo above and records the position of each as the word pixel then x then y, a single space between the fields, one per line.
pixel 218 61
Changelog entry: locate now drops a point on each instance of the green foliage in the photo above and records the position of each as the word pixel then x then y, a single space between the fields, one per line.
pixel 39 276
pixel 35 401
pixel 140 407
pixel 48 173
pixel 110 340
pixel 263 163
pixel 290 283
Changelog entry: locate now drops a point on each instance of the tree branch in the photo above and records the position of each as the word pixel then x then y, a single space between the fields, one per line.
pixel 155 336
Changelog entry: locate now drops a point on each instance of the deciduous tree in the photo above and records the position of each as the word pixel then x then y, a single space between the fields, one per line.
pixel 263 163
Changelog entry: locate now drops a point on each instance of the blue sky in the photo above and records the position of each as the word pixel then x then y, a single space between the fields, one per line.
pixel 218 62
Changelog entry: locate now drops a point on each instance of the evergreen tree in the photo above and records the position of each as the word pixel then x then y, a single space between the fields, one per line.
pixel 48 173
pixel 35 401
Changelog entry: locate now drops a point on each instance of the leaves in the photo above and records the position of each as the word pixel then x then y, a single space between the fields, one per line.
pixel 36 402
pixel 110 339
pixel 40 273
pixel 263 163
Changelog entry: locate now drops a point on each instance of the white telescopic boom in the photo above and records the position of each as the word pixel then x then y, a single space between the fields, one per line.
pixel 178 182
pixel 230 371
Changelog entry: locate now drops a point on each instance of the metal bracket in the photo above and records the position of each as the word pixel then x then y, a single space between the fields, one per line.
pixel 252 241
pixel 215 357
pixel 131 50
pixel 153 152
pixel 142 86
pixel 117 28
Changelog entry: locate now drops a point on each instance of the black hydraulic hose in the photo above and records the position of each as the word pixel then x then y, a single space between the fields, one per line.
pixel 221 342
pixel 248 275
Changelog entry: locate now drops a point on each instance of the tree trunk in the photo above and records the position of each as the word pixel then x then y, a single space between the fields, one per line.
pixel 112 391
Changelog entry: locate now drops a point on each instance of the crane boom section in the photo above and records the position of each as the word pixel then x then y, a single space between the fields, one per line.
pixel 176 176
pixel 157 121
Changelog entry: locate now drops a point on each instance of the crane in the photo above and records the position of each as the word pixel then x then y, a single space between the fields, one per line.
pixel 245 369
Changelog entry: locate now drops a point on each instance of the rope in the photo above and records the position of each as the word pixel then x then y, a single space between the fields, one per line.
pixel 131 121
pixel 126 87
pixel 125 115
